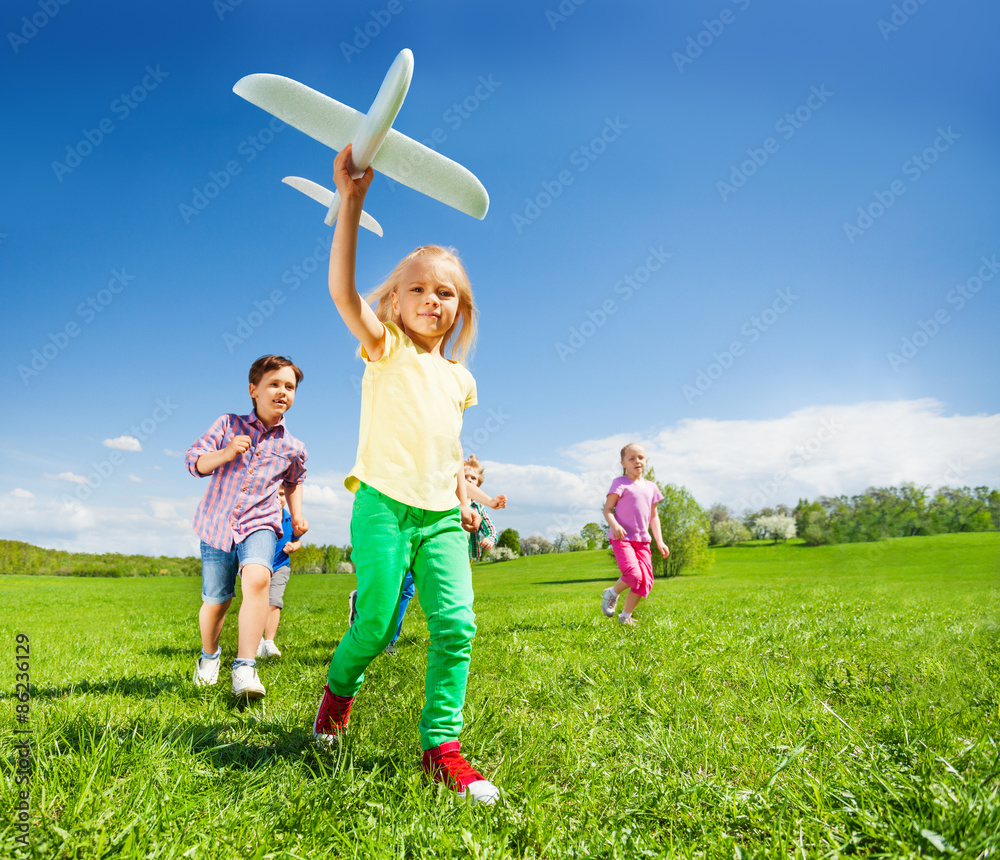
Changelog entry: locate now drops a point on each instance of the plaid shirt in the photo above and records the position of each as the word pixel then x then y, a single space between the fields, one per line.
pixel 486 530
pixel 243 494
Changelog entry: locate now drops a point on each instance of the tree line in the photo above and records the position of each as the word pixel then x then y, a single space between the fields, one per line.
pixel 18 557
pixel 876 514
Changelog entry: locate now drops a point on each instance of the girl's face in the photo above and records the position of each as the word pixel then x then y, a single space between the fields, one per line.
pixel 634 461
pixel 426 303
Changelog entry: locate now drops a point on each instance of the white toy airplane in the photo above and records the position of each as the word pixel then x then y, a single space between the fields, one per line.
pixel 375 141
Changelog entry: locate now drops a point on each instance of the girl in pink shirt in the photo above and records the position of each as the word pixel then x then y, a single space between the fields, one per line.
pixel 630 511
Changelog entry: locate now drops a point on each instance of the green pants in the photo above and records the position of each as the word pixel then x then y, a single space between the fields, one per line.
pixel 389 539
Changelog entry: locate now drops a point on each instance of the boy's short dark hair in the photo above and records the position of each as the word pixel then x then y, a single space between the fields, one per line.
pixel 267 363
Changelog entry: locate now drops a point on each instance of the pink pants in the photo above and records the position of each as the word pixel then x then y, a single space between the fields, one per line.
pixel 636 564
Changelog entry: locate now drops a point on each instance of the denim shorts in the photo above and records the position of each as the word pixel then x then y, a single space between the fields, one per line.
pixel 219 568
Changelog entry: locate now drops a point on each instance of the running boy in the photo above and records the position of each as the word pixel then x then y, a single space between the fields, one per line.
pixel 239 518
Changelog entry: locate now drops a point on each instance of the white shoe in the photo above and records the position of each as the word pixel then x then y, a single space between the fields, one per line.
pixel 267 648
pixel 206 671
pixel 246 683
pixel 352 608
pixel 482 791
pixel 608 602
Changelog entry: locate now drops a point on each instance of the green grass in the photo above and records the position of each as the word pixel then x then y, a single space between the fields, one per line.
pixel 792 702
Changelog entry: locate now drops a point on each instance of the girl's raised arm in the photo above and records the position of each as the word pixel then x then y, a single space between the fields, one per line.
pixel 359 318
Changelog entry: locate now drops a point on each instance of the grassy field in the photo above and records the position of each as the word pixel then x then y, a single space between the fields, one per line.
pixel 792 702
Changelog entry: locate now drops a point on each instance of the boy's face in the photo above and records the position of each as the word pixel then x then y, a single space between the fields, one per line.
pixel 275 393
pixel 472 476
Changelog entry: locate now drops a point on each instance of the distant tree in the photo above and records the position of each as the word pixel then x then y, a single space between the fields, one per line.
pixel 307 559
pixel 955 509
pixel 332 557
pixel 502 553
pixel 594 535
pixel 716 514
pixel 750 521
pixel 730 532
pixel 685 532
pixel 810 523
pixel 993 503
pixel 559 542
pixel 575 543
pixel 778 527
pixel 510 539
pixel 535 545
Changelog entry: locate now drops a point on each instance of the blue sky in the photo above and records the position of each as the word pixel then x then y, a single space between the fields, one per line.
pixel 760 238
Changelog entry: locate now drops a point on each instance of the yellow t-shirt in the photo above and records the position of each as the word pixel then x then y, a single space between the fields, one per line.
pixel 412 404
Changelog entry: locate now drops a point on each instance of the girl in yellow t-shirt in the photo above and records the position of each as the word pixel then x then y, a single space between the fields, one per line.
pixel 411 509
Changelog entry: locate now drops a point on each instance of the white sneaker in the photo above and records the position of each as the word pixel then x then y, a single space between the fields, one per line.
pixel 267 648
pixel 608 602
pixel 206 671
pixel 352 608
pixel 483 791
pixel 246 683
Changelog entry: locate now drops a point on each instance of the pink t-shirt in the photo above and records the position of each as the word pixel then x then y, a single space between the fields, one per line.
pixel 634 506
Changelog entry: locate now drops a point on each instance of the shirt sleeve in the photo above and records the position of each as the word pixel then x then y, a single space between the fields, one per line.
pixel 296 471
pixel 214 439
pixel 471 394
pixel 487 529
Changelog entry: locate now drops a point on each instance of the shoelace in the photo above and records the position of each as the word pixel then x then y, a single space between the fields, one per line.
pixel 455 767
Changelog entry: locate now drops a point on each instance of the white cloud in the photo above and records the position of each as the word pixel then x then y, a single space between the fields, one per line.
pixel 135 479
pixel 123 443
pixel 18 493
pixel 66 476
pixel 817 450
pixel 91 528
pixel 170 453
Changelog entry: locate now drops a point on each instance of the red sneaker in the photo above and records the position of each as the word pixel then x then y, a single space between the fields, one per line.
pixel 332 716
pixel 446 764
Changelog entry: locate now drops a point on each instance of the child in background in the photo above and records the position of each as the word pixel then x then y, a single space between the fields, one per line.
pixel 239 521
pixel 279 579
pixel 630 511
pixel 410 503
pixel 485 537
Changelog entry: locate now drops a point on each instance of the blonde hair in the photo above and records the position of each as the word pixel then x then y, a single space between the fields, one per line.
pixel 465 326
pixel 473 463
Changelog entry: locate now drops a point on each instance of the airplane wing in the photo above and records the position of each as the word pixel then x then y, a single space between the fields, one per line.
pixel 325 196
pixel 336 125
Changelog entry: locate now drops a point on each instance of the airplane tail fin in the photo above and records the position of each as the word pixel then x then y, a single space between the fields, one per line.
pixel 331 200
